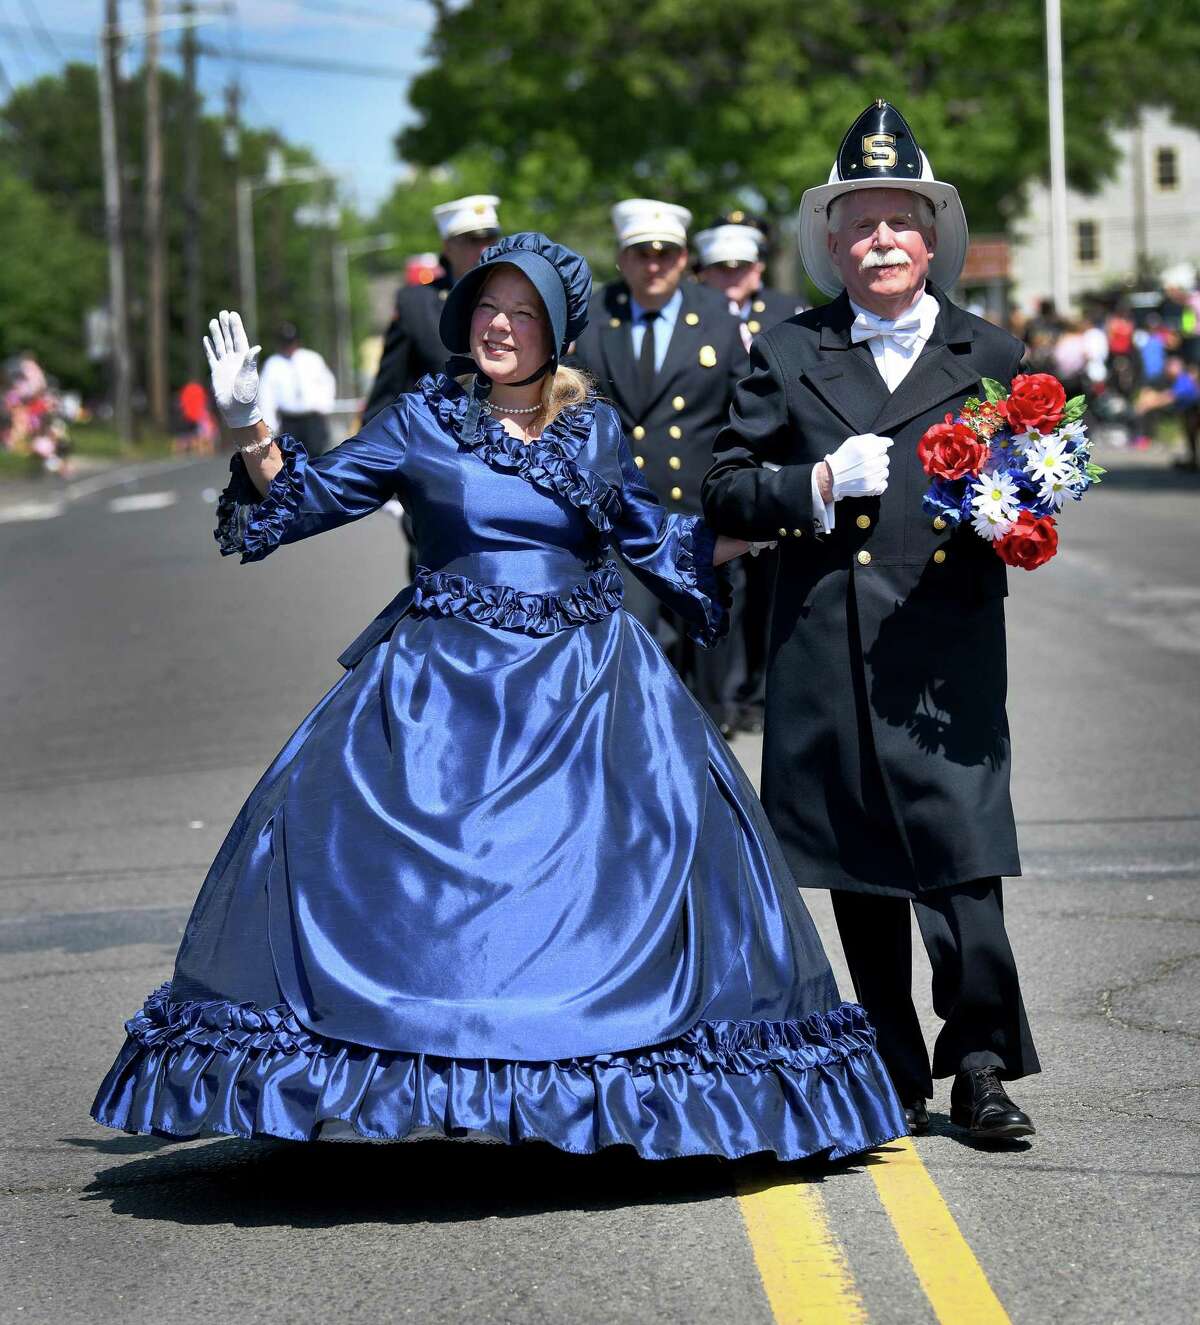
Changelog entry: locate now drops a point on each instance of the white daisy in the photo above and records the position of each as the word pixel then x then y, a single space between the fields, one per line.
pixel 1048 461
pixel 990 526
pixel 1056 488
pixel 995 495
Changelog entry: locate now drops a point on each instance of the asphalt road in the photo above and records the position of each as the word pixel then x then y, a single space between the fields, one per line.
pixel 144 685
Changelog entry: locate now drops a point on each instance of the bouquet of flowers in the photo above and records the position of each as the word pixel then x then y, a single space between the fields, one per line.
pixel 1007 463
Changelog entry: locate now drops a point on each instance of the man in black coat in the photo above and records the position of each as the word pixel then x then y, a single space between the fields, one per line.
pixel 886 749
pixel 668 355
pixel 412 345
pixel 730 257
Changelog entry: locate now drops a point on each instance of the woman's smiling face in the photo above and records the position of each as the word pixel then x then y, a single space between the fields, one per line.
pixel 510 332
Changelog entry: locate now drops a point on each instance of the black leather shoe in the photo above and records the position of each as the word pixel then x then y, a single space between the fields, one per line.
pixel 979 1104
pixel 917 1117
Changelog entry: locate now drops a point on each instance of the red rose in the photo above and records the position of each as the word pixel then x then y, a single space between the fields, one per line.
pixel 1030 543
pixel 951 450
pixel 1036 403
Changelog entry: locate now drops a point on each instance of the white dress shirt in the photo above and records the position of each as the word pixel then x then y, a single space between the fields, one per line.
pixel 895 347
pixel 664 327
pixel 296 383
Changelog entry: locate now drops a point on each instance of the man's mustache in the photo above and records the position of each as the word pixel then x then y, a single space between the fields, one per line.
pixel 884 257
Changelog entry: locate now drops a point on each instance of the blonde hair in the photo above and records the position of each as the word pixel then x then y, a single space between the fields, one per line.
pixel 562 389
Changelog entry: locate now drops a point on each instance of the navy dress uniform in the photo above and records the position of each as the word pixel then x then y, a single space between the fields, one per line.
pixel 886 747
pixel 671 421
pixel 730 256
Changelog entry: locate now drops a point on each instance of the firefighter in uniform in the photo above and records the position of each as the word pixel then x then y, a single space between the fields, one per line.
pixel 730 260
pixel 668 355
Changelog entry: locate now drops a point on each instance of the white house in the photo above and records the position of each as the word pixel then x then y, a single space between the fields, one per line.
pixel 1150 206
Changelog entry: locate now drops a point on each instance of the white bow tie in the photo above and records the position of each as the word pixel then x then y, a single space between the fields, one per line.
pixel 904 332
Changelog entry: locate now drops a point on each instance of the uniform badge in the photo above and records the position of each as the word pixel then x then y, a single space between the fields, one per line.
pixel 708 357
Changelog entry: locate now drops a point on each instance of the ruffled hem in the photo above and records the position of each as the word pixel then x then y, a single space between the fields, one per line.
pixel 710 585
pixel 441 594
pixel 724 1088
pixel 546 463
pixel 251 523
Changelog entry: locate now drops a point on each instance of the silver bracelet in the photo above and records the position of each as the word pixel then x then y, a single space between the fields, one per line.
pixel 257 448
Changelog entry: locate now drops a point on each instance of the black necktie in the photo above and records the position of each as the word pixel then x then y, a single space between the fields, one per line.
pixel 646 370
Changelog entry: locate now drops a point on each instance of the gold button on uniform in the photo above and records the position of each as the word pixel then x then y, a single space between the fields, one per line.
pixel 675 431
pixel 692 319
pixel 797 533
pixel 759 306
pixel 676 494
pixel 938 523
pixel 863 522
pixel 614 322
pixel 638 432
pixel 678 402
pixel 940 555
pixel 753 327
pixel 675 462
pixel 864 558
pixel 783 533
pixel 640 461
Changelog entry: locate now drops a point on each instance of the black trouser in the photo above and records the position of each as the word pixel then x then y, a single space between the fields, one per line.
pixel 975 987
pixel 311 430
pixel 712 675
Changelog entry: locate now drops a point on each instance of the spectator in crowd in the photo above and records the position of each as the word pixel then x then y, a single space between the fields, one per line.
pixel 297 392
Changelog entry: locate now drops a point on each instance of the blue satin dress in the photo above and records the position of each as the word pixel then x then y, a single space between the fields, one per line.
pixel 506 879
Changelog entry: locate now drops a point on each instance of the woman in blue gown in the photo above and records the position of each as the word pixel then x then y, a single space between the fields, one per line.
pixel 506 879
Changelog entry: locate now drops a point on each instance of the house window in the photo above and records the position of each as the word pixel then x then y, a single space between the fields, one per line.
pixel 1166 168
pixel 1087 243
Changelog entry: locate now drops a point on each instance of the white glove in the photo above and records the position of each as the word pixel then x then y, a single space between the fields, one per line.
pixel 234 366
pixel 860 466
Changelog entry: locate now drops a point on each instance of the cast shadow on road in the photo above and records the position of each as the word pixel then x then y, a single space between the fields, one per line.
pixel 258 1184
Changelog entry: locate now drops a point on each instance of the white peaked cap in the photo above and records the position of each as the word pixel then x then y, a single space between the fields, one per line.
pixel 464 216
pixel 643 220
pixel 729 243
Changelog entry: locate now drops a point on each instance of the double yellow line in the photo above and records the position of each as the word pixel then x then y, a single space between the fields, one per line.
pixel 804 1269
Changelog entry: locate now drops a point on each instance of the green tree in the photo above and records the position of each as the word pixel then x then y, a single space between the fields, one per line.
pixel 576 103
pixel 49 139
pixel 51 274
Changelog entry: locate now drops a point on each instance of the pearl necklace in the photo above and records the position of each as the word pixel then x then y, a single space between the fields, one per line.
pixel 511 409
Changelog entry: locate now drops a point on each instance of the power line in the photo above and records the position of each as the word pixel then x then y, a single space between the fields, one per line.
pixel 387 72
pixel 34 20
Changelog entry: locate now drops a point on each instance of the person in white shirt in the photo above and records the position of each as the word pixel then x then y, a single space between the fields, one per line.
pixel 297 391
pixel 886 749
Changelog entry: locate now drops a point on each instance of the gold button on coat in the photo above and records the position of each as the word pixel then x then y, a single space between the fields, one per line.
pixel 783 533
pixel 940 555
pixel 754 327
pixel 938 523
pixel 640 461
pixel 675 431
pixel 797 533
pixel 675 462
pixel 692 319
pixel 678 402
pixel 638 432
pixel 676 494
pixel 864 558
pixel 614 322
pixel 759 306
pixel 863 522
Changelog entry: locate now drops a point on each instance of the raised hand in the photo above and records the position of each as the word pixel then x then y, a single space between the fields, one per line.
pixel 233 363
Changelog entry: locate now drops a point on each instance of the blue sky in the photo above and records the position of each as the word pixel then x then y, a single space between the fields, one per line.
pixel 349 120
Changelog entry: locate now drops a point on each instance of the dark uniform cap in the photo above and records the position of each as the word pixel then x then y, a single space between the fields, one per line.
pixel 561 277
pixel 879 145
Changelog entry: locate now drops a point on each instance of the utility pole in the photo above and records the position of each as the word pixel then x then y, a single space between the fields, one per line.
pixel 191 193
pixel 1060 252
pixel 1141 239
pixel 156 256
pixel 119 358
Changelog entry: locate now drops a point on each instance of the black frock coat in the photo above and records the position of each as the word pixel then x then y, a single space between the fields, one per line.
pixel 672 433
pixel 412 344
pixel 886 749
